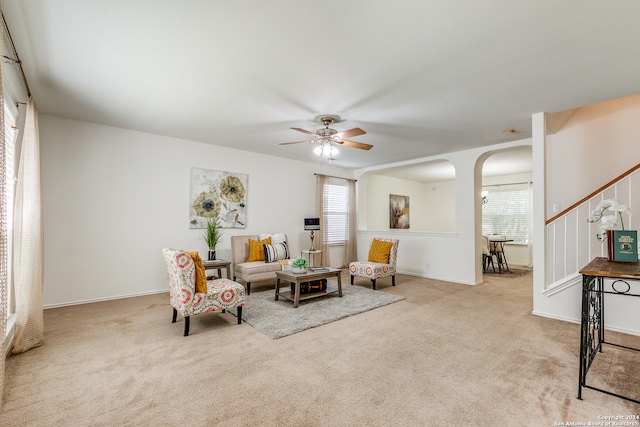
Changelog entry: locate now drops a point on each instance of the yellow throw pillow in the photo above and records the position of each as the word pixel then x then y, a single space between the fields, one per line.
pixel 379 251
pixel 256 249
pixel 201 278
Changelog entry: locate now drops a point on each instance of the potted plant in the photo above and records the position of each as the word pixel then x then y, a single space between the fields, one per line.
pixel 608 222
pixel 299 265
pixel 212 235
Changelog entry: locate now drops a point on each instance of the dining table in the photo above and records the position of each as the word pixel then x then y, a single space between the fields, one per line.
pixel 496 247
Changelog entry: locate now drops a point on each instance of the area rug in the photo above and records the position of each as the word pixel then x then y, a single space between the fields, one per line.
pixel 277 319
pixel 507 274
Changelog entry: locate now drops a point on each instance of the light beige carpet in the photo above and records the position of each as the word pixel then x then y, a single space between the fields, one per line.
pixel 447 355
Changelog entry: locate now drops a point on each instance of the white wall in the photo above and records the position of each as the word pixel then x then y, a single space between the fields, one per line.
pixel 432 206
pixel 113 198
pixel 595 145
pixel 380 187
pixel 440 209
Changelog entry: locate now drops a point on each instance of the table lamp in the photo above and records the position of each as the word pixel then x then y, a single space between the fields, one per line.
pixel 312 224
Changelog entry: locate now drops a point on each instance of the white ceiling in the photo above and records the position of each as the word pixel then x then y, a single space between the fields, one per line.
pixel 421 77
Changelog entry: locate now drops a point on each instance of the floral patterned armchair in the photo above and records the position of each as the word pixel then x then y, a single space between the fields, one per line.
pixel 381 262
pixel 221 293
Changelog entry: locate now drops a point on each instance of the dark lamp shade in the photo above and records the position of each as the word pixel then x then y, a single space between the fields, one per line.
pixel 312 223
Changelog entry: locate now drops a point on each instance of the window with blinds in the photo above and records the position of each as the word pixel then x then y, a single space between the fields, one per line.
pixel 336 211
pixel 507 212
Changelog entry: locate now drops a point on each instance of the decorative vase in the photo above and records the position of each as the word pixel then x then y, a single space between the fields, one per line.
pixel 298 270
pixel 212 254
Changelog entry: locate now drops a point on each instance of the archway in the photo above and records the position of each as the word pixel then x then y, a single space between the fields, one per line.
pixel 506 193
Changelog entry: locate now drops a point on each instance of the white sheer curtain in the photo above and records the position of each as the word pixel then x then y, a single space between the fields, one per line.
pixel 4 304
pixel 28 240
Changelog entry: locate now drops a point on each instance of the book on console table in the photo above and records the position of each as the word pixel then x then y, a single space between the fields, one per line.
pixel 622 245
pixel 317 268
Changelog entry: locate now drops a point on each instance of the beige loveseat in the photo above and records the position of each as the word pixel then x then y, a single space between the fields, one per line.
pixel 253 271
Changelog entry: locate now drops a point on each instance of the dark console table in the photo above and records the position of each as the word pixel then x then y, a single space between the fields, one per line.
pixel 592 325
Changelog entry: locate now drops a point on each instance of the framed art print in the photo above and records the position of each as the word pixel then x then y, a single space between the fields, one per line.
pixel 218 194
pixel 398 211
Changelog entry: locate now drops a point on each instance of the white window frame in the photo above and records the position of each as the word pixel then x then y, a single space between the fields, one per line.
pixel 335 213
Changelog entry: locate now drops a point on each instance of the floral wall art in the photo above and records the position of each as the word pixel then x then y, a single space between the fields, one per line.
pixel 398 211
pixel 218 194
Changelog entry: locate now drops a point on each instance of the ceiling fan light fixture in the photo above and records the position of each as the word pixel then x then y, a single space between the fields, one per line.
pixel 326 150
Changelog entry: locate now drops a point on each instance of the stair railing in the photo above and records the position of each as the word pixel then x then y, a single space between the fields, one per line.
pixel 571 239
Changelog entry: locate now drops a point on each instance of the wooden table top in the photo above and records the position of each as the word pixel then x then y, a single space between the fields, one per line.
pixel 215 263
pixel 601 267
pixel 327 271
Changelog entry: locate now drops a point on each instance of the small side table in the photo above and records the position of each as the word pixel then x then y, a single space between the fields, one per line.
pixel 622 275
pixel 311 256
pixel 218 264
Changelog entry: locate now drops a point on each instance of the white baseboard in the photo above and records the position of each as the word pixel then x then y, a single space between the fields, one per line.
pixel 441 279
pixel 563 284
pixel 553 316
pixel 89 301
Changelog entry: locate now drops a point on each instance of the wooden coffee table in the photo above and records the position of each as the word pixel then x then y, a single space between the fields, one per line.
pixel 290 277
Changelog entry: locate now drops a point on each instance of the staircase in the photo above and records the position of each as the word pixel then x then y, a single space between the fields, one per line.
pixel 571 239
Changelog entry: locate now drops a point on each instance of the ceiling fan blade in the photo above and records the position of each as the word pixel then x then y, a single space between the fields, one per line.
pixel 304 131
pixel 350 133
pixel 354 144
pixel 295 142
